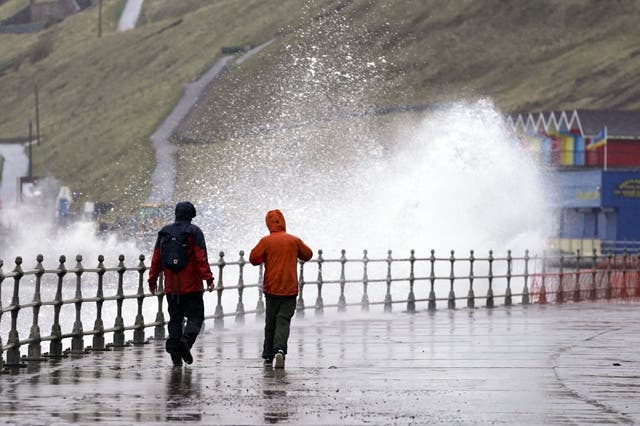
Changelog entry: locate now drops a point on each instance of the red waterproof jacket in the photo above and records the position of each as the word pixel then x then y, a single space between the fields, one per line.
pixel 189 279
pixel 279 252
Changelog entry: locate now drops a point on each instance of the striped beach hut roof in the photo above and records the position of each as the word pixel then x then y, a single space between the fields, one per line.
pixel 620 124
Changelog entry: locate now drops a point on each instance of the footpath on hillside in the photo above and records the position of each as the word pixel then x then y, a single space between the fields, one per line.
pixel 163 178
pixel 570 364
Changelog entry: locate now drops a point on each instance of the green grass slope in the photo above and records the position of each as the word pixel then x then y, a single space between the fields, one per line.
pixel 101 98
pixel 523 55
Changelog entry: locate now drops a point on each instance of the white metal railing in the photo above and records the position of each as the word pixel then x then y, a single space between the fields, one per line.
pixel 66 299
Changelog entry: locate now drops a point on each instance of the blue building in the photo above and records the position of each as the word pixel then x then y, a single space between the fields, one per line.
pixel 598 196
pixel 599 209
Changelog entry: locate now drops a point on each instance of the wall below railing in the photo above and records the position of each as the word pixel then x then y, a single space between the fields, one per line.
pixel 115 302
pixel 588 245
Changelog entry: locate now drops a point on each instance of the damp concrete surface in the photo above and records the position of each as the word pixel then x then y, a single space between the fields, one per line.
pixel 571 364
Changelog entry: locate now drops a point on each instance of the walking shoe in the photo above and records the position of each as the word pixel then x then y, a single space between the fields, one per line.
pixel 268 362
pixel 279 359
pixel 177 360
pixel 184 352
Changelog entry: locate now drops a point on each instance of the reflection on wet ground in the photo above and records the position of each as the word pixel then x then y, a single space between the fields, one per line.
pixel 574 364
pixel 274 395
pixel 182 394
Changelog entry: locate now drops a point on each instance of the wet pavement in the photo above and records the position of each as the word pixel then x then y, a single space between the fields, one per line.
pixel 571 364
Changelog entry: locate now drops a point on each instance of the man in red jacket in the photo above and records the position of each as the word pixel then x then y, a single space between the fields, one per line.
pixel 279 252
pixel 181 253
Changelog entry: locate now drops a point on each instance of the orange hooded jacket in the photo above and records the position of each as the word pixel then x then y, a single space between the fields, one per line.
pixel 279 252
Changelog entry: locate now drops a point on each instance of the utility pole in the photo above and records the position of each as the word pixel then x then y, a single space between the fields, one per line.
pixel 606 143
pixel 99 18
pixel 30 154
pixel 37 117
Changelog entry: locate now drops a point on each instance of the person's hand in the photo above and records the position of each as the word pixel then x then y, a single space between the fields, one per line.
pixel 153 287
pixel 210 285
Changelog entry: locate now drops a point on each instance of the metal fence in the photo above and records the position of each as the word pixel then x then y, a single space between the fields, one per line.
pixel 66 299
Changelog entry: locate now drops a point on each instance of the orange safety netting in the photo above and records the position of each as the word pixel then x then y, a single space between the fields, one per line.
pixel 611 281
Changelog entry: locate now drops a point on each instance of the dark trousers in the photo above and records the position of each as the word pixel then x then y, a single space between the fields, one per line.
pixel 191 307
pixel 278 316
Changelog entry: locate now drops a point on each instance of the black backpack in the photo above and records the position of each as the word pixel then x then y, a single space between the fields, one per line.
pixel 173 251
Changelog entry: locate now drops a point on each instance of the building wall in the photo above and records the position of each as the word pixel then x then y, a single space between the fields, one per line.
pixel 620 153
pixel 621 191
pixel 595 204
pixel 580 189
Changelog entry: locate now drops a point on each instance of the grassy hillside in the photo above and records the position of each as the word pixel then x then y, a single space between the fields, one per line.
pixel 10 7
pixel 525 56
pixel 101 98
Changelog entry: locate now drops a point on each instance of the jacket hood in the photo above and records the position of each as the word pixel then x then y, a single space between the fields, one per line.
pixel 185 211
pixel 275 221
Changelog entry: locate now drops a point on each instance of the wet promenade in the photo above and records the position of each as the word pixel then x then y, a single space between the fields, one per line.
pixel 571 364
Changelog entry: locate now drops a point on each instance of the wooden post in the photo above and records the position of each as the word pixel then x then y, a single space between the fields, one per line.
pixel 99 18
pixel 37 116
pixel 30 154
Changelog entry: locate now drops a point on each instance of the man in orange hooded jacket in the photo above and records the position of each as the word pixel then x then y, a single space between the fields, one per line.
pixel 279 252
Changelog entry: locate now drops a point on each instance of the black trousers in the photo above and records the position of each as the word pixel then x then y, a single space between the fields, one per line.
pixel 279 311
pixel 191 307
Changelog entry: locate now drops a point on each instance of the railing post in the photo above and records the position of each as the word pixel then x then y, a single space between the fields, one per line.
pixel 98 325
pixel 77 341
pixel 260 305
pixel 118 334
pixel 218 319
pixel 319 302
pixel 543 289
pixel 411 299
pixel 623 290
pixel 13 354
pixel 637 268
pixel 594 263
pixel 300 301
pixel 1 311
pixel 471 297
pixel 55 346
pixel 364 302
pixel 607 290
pixel 508 296
pixel 432 280
pixel 576 290
pixel 159 332
pixel 451 302
pixel 35 348
pixel 138 331
pixel 387 297
pixel 240 305
pixel 525 289
pixel 560 291
pixel 490 303
pixel 342 301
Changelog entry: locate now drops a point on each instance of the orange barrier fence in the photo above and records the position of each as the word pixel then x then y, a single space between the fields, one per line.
pixel 586 285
